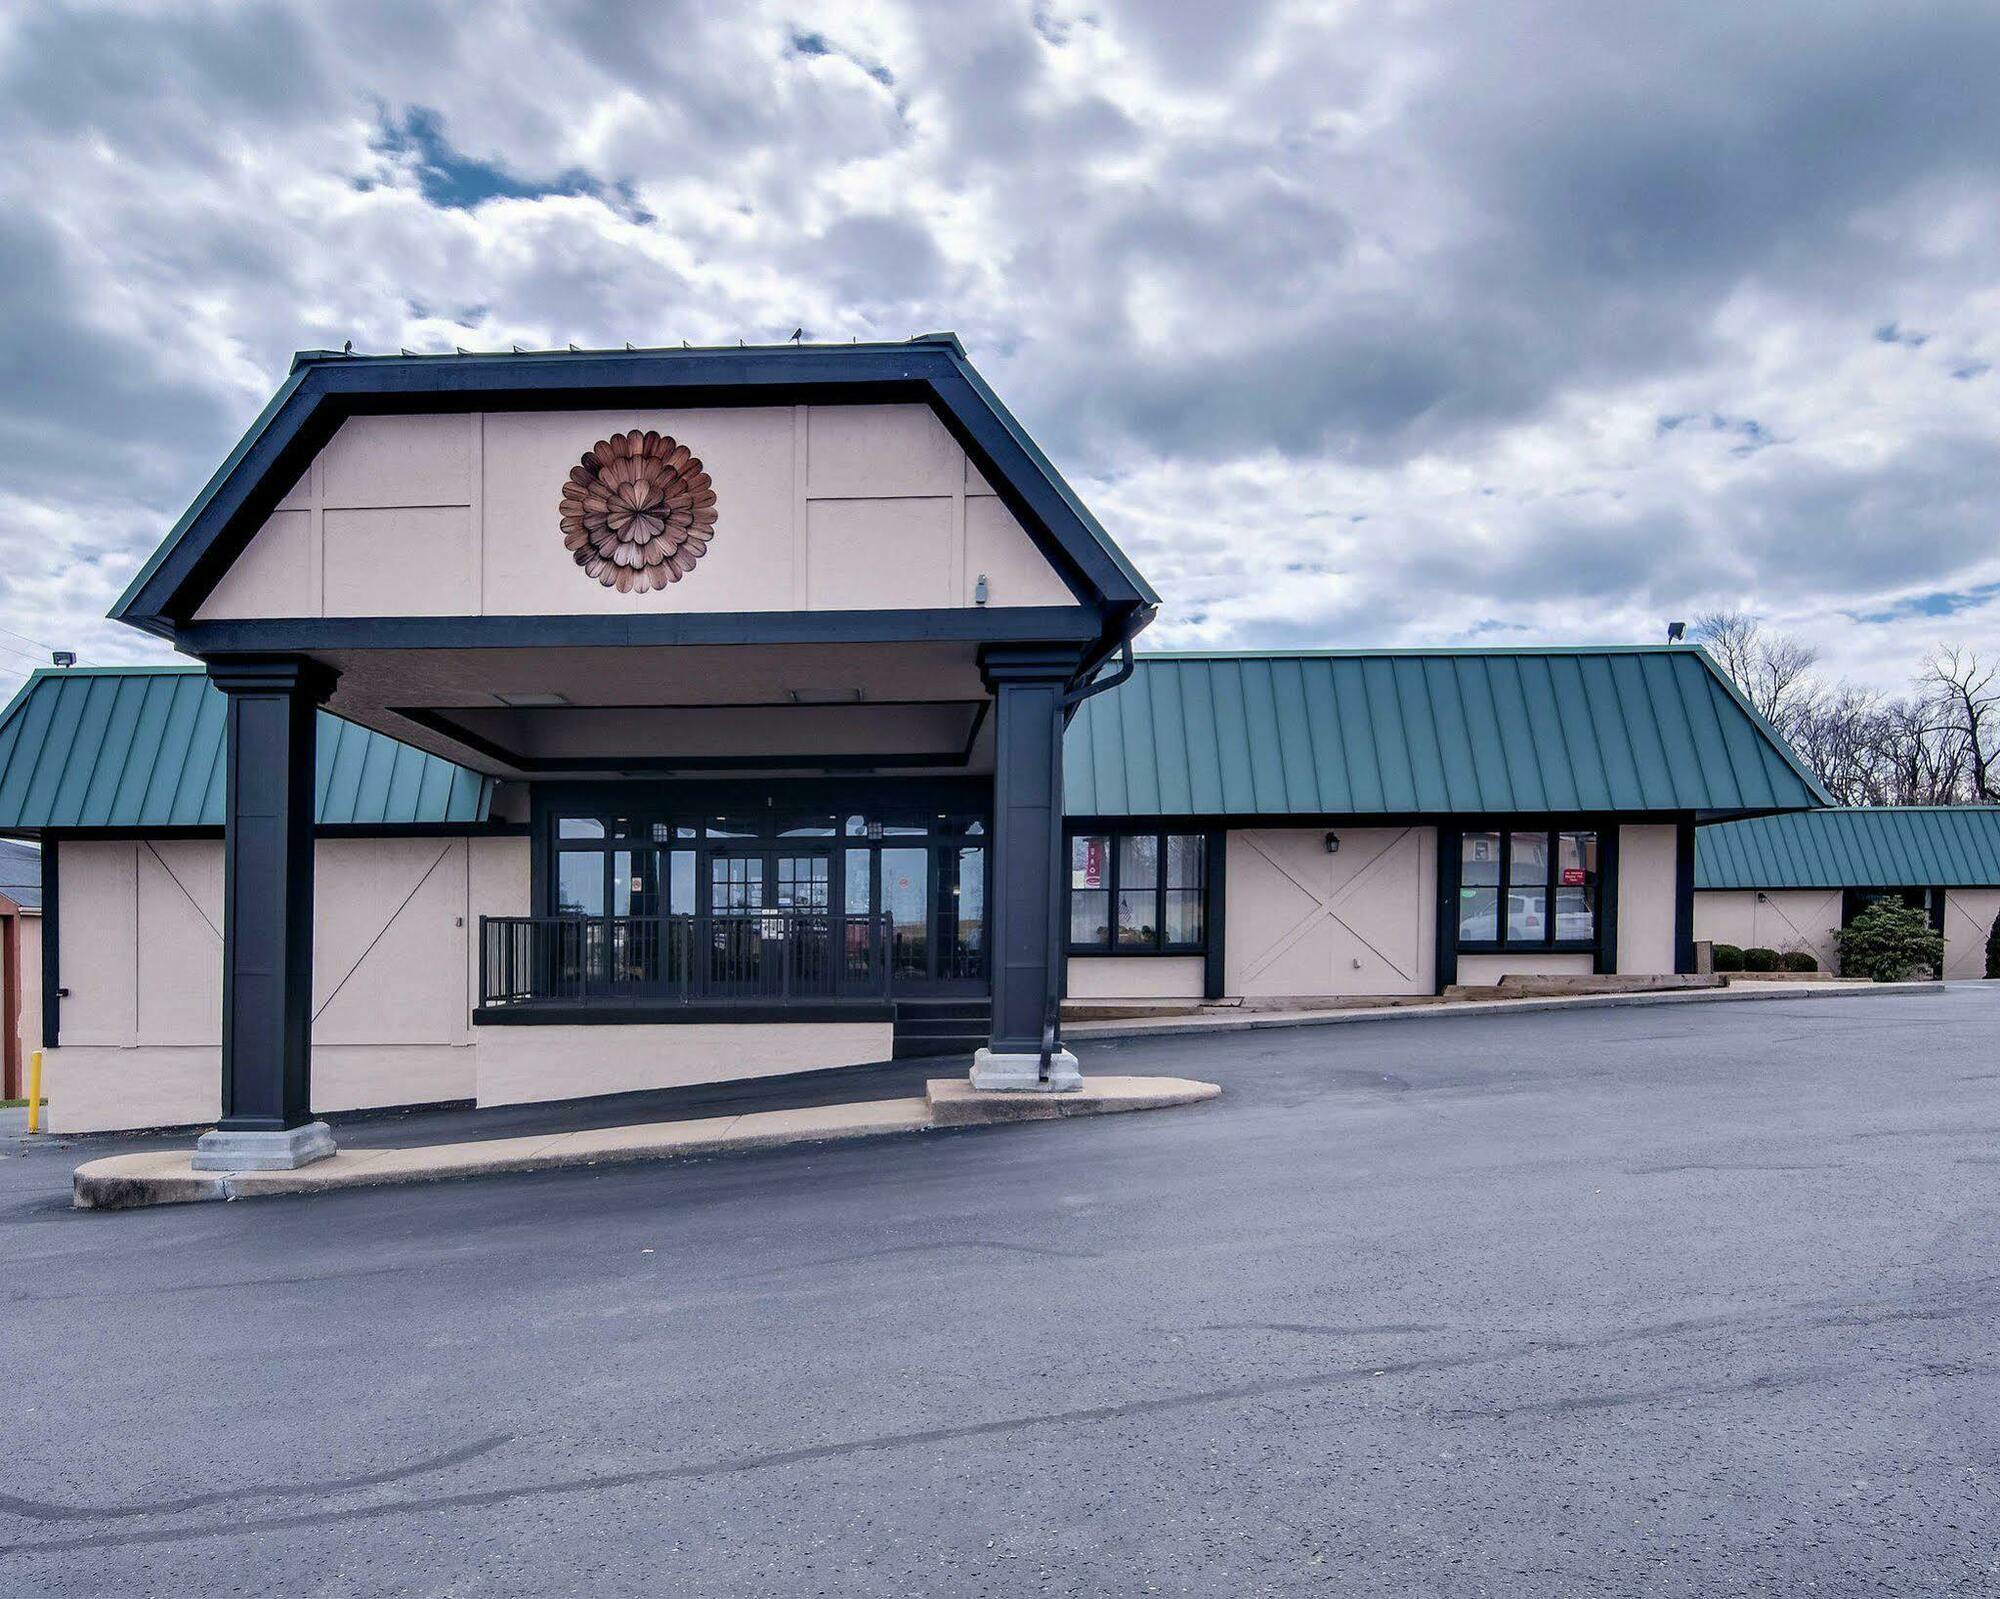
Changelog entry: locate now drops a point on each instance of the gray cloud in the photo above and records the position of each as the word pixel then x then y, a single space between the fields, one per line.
pixel 1372 325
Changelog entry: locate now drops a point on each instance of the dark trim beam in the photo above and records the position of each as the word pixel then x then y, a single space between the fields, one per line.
pixel 1029 684
pixel 1684 897
pixel 322 635
pixel 267 890
pixel 1450 871
pixel 1607 900
pixel 673 1014
pixel 1215 920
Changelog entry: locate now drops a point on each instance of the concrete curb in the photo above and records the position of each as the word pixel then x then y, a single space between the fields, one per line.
pixel 1186 1026
pixel 167 1177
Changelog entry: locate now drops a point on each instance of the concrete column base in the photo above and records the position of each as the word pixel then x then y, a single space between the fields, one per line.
pixel 222 1150
pixel 1022 1074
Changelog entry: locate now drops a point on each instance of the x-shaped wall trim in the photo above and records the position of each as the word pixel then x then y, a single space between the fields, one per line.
pixel 1327 908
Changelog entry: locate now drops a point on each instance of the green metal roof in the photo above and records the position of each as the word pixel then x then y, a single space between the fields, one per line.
pixel 1884 846
pixel 141 746
pixel 1485 731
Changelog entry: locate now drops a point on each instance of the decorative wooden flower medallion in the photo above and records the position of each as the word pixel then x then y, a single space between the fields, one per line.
pixel 638 511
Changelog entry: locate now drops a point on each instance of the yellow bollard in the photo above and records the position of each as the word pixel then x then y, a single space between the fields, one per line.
pixel 35 1092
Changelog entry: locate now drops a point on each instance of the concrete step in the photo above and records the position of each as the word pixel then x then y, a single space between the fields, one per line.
pixel 948 1026
pixel 936 1048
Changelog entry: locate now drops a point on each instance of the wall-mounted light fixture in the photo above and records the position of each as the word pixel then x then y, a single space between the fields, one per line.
pixel 1676 632
pixel 63 657
pixel 979 590
pixel 1333 843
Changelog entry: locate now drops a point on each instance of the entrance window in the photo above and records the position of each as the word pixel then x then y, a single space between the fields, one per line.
pixel 1134 893
pixel 920 869
pixel 1528 890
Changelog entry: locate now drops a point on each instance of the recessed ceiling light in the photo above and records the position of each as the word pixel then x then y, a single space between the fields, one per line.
pixel 526 701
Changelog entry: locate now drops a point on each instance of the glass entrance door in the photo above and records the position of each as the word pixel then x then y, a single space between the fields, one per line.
pixel 735 884
pixel 803 882
pixel 803 894
pixel 772 923
pixel 735 955
pixel 906 898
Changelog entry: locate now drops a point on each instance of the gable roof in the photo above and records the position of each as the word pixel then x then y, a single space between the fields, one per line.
pixel 21 874
pixel 142 747
pixel 326 387
pixel 1880 846
pixel 1470 731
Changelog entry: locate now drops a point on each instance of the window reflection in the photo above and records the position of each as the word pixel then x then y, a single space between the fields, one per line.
pixel 1528 889
pixel 744 858
pixel 580 884
pixel 1479 888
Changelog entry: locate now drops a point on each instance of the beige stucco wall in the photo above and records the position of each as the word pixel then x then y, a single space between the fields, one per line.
pixel 1782 919
pixel 1480 970
pixel 1968 919
pixel 818 508
pixel 395 977
pixel 1646 900
pixel 519 1065
pixel 1808 918
pixel 394 969
pixel 1135 977
pixel 1301 922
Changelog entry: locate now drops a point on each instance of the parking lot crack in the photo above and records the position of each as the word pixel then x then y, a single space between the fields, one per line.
pixel 41 1510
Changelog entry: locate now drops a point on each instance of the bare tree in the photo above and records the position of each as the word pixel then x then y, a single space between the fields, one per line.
pixel 1773 670
pixel 1840 737
pixel 1964 694
pixel 1937 746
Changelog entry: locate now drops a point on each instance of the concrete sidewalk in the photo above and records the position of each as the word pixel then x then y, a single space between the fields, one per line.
pixel 1242 1019
pixel 167 1177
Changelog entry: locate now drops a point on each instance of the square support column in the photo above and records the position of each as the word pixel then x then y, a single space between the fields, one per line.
pixel 267 910
pixel 1028 683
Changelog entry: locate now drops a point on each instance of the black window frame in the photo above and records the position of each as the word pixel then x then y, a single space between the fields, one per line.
pixel 786 815
pixel 1114 838
pixel 1505 944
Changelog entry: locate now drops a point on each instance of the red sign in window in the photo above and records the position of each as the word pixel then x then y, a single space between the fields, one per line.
pixel 1093 863
pixel 1572 877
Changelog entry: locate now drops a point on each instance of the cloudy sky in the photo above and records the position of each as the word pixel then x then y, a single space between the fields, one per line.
pixel 1357 323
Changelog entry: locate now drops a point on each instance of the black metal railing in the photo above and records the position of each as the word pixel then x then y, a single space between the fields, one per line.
pixel 743 957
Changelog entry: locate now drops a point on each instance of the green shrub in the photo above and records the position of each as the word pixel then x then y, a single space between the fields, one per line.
pixel 1798 960
pixel 1993 950
pixel 1726 958
pixel 1759 959
pixel 1888 943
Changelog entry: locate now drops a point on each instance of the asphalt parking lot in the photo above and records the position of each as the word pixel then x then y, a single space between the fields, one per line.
pixel 1689 1300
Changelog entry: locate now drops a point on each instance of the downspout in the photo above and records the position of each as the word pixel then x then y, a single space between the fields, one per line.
pixel 1078 692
